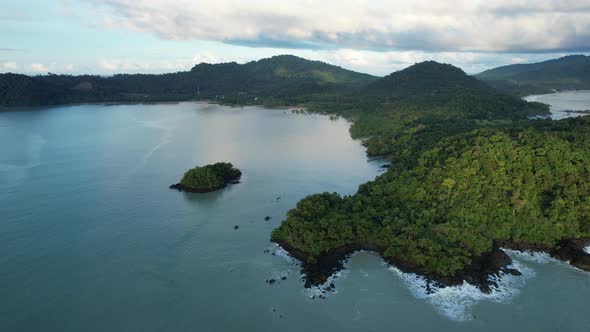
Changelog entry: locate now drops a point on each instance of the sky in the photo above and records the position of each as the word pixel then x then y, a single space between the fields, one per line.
pixel 372 36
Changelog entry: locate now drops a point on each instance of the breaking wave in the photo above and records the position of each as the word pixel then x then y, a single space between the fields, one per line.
pixel 456 302
pixel 530 256
pixel 277 250
pixel 325 289
pixel 542 258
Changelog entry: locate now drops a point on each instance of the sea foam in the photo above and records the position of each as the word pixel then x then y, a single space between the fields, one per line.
pixel 278 251
pixel 456 302
pixel 324 290
pixel 539 257
pixel 587 250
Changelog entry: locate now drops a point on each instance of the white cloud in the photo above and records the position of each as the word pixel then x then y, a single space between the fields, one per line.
pixel 9 66
pixel 428 26
pixel 156 66
pixel 39 68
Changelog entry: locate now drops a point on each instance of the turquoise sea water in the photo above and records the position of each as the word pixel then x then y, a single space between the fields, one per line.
pixel 92 239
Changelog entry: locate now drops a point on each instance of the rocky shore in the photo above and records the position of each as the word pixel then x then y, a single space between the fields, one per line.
pixel 478 273
pixel 181 187
pixel 568 250
pixel 208 178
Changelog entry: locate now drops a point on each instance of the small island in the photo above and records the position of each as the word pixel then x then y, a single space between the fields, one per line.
pixel 208 178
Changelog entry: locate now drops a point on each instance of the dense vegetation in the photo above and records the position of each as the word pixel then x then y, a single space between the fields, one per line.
pixel 208 178
pixel 280 80
pixel 567 73
pixel 457 198
pixel 469 171
pixel 416 107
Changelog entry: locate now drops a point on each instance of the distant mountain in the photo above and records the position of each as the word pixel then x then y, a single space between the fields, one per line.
pixel 278 80
pixel 425 78
pixel 566 73
pixel 442 85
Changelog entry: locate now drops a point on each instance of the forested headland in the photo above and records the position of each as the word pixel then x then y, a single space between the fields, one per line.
pixel 470 172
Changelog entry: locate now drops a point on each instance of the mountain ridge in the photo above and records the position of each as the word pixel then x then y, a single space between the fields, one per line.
pixel 282 79
pixel 571 72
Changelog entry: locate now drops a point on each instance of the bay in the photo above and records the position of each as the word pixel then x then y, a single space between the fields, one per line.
pixel 92 239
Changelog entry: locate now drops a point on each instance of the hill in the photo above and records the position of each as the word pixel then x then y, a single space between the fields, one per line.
pixel 566 73
pixel 469 173
pixel 417 106
pixel 282 79
pixel 425 78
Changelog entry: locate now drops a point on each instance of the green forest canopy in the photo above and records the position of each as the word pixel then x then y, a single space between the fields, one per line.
pixel 468 167
pixel 210 176
pixel 468 170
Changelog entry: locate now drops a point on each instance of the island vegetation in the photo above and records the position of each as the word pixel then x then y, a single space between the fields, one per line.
pixel 470 172
pixel 208 178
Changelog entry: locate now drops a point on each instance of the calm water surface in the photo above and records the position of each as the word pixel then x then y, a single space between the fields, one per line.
pixel 93 240
pixel 565 101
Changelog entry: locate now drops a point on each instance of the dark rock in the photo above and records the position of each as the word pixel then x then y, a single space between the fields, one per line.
pixel 180 187
pixel 332 285
pixel 513 272
pixel 236 227
pixel 235 182
pixel 267 218
pixel 333 261
pixel 283 278
pixel 385 166
pixel 569 250
pixel 572 251
pixel 271 281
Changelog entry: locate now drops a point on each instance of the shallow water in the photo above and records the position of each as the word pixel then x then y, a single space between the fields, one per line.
pixel 564 101
pixel 93 239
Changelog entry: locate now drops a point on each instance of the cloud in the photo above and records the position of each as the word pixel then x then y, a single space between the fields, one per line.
pixel 383 63
pixel 113 66
pixel 38 68
pixel 9 66
pixel 517 26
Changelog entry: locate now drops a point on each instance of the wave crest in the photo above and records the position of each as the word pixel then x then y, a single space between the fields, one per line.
pixel 455 302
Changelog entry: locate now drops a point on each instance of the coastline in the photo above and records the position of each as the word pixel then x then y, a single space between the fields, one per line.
pixel 478 274
pixel 24 108
pixel 182 188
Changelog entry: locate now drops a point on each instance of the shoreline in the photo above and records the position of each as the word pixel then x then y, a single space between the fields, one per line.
pixel 22 108
pixel 477 274
pixel 182 188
